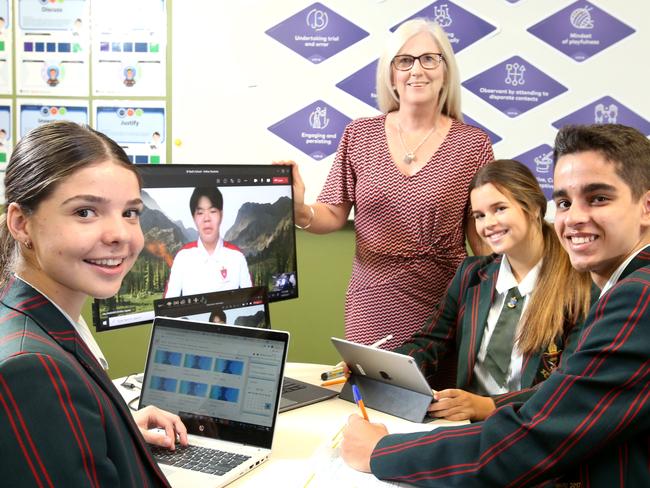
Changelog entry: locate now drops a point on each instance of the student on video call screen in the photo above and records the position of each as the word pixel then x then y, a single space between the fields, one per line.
pixel 208 228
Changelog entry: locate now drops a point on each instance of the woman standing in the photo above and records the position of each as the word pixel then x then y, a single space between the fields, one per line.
pixel 406 174
pixel 71 231
pixel 511 317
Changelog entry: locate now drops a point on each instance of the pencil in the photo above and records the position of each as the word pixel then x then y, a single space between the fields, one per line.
pixel 332 373
pixel 336 381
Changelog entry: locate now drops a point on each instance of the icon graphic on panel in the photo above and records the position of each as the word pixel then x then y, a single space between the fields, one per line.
pixel 581 18
pixel 317 19
pixel 544 162
pixel 515 74
pixel 77 26
pixel 155 140
pixel 318 118
pixel 52 75
pixel 441 15
pixel 605 114
pixel 129 76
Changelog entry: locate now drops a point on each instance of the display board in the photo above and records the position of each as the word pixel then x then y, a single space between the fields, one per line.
pixel 61 60
pixel 256 81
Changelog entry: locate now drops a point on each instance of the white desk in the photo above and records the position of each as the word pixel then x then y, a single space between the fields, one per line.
pixel 298 433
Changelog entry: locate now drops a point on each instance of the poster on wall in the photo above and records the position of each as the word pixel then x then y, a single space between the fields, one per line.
pixel 139 127
pixel 540 162
pixel 52 55
pixel 463 28
pixel 6 49
pixel 605 110
pixel 315 129
pixel 317 33
pixel 129 51
pixel 514 86
pixel 6 134
pixel 362 84
pixel 33 113
pixel 581 30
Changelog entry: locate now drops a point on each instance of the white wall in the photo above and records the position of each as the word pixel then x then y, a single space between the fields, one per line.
pixel 231 81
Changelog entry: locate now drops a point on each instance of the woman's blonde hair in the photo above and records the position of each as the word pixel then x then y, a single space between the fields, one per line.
pixel 449 97
pixel 561 294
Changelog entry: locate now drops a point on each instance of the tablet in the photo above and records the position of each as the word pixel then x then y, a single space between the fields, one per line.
pixel 381 365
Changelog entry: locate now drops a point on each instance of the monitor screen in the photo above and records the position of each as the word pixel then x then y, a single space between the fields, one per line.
pixel 247 307
pixel 207 228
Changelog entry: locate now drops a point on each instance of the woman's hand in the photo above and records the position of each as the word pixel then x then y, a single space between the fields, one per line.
pixel 301 212
pixel 319 218
pixel 298 183
pixel 453 404
pixel 154 418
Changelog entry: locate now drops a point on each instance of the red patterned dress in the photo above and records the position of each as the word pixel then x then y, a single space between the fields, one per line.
pixel 409 229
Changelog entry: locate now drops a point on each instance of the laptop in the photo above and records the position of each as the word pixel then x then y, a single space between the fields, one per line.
pixel 241 306
pixel 224 382
pixel 296 393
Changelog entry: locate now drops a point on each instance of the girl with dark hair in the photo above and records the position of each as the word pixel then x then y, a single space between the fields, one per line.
pixel 508 318
pixel 71 231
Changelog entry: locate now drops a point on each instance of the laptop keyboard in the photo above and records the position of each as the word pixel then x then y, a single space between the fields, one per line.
pixel 290 385
pixel 197 458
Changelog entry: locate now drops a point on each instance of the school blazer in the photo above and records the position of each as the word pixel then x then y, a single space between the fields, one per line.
pixel 455 332
pixel 62 422
pixel 587 425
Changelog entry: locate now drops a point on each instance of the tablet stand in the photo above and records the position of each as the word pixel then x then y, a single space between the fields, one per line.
pixel 388 398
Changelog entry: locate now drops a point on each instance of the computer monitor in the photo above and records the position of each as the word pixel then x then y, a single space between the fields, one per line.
pixel 256 245
pixel 247 307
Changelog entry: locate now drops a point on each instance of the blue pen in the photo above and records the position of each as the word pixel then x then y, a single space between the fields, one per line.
pixel 359 401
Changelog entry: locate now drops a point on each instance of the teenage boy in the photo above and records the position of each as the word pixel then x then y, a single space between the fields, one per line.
pixel 209 263
pixel 589 423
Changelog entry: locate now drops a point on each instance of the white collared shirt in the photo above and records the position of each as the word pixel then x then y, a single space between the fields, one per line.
pixel 505 281
pixel 81 327
pixel 196 271
pixel 619 271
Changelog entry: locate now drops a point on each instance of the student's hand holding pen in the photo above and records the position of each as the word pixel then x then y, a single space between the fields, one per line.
pixel 359 440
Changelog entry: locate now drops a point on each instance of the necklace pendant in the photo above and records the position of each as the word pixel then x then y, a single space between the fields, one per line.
pixel 409 157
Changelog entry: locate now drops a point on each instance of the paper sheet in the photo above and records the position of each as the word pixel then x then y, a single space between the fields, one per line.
pixel 329 469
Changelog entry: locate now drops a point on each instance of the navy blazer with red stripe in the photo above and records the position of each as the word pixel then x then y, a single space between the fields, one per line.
pixel 62 422
pixel 588 423
pixel 455 332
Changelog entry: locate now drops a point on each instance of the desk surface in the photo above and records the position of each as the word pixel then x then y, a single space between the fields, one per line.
pixel 298 433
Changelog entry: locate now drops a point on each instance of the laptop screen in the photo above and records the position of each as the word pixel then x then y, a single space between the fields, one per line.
pixel 223 381
pixel 243 306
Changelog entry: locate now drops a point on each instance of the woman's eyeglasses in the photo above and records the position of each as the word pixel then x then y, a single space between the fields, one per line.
pixel 405 62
